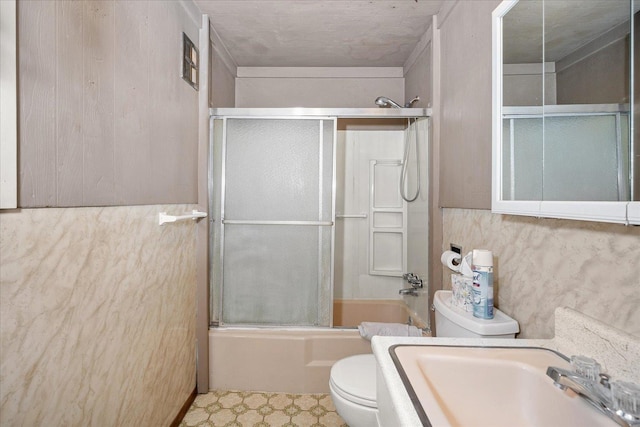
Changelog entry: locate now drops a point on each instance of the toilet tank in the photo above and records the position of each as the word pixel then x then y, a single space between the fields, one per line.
pixel 455 322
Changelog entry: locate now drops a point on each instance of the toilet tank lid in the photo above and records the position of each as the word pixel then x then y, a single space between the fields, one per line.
pixel 501 324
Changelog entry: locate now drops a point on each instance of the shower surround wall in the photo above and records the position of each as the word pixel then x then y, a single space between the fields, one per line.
pixel 356 149
pixel 97 319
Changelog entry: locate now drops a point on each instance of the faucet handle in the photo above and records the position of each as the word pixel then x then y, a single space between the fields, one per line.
pixel 587 367
pixel 416 283
pixel 626 400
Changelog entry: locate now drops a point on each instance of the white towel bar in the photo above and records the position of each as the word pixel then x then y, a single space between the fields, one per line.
pixel 164 218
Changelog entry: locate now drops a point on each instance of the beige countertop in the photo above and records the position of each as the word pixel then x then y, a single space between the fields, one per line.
pixel 575 333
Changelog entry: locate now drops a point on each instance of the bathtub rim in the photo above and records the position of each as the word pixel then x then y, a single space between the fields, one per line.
pixel 413 315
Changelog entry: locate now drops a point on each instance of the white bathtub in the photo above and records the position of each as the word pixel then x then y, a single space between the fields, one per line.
pixel 294 360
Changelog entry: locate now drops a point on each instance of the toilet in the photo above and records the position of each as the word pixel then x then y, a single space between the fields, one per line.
pixel 353 379
pixel 353 390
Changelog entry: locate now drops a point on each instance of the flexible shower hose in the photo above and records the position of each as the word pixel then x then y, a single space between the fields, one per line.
pixel 405 160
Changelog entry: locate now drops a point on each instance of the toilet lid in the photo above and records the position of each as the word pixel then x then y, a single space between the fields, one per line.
pixel 354 378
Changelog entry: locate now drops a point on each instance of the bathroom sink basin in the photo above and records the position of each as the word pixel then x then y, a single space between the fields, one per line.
pixel 489 386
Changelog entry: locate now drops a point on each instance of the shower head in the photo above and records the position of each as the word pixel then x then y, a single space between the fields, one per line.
pixel 384 102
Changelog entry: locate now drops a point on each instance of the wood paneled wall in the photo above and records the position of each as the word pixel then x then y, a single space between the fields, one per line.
pixel 317 87
pixel 602 77
pixel 105 117
pixel 465 106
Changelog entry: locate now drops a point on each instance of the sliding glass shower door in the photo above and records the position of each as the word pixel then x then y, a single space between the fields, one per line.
pixel 274 239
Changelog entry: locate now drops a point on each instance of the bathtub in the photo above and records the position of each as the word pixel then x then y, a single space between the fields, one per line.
pixel 295 360
pixel 350 313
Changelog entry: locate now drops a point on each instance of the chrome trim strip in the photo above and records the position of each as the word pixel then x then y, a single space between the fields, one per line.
pixel 326 112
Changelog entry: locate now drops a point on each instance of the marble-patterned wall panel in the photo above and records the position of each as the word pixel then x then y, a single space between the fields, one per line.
pixel 541 264
pixel 97 316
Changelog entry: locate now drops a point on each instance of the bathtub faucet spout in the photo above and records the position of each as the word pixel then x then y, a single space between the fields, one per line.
pixel 409 291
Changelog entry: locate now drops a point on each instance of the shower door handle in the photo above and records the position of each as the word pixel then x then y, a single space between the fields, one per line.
pixel 259 222
pixel 362 215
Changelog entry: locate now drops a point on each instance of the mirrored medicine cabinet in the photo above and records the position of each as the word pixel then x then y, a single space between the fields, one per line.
pixel 564 144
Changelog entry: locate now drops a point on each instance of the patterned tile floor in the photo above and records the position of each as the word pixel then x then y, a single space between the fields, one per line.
pixel 257 409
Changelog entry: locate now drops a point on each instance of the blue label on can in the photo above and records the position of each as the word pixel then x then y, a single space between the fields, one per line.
pixel 483 294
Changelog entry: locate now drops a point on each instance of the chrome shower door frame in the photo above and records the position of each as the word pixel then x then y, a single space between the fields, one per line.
pixel 218 198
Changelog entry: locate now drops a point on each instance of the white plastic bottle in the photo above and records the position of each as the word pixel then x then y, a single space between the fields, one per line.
pixel 482 283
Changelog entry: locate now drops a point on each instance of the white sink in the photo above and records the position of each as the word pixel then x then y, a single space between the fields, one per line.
pixel 490 386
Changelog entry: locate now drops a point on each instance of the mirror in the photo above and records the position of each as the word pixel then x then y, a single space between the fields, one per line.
pixel 563 107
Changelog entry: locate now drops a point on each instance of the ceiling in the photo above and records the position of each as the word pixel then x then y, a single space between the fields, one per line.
pixel 320 33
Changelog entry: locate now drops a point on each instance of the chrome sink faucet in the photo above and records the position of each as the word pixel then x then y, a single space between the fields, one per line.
pixel 620 402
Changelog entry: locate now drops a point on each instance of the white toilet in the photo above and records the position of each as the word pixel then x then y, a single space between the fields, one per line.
pixel 353 379
pixel 353 390
pixel 453 322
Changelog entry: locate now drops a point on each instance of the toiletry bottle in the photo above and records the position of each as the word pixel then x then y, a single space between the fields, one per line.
pixel 482 283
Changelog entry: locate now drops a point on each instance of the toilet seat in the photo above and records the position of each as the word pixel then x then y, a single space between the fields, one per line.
pixel 354 379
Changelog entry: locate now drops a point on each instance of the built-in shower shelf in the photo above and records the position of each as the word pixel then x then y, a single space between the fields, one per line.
pixel 340 113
